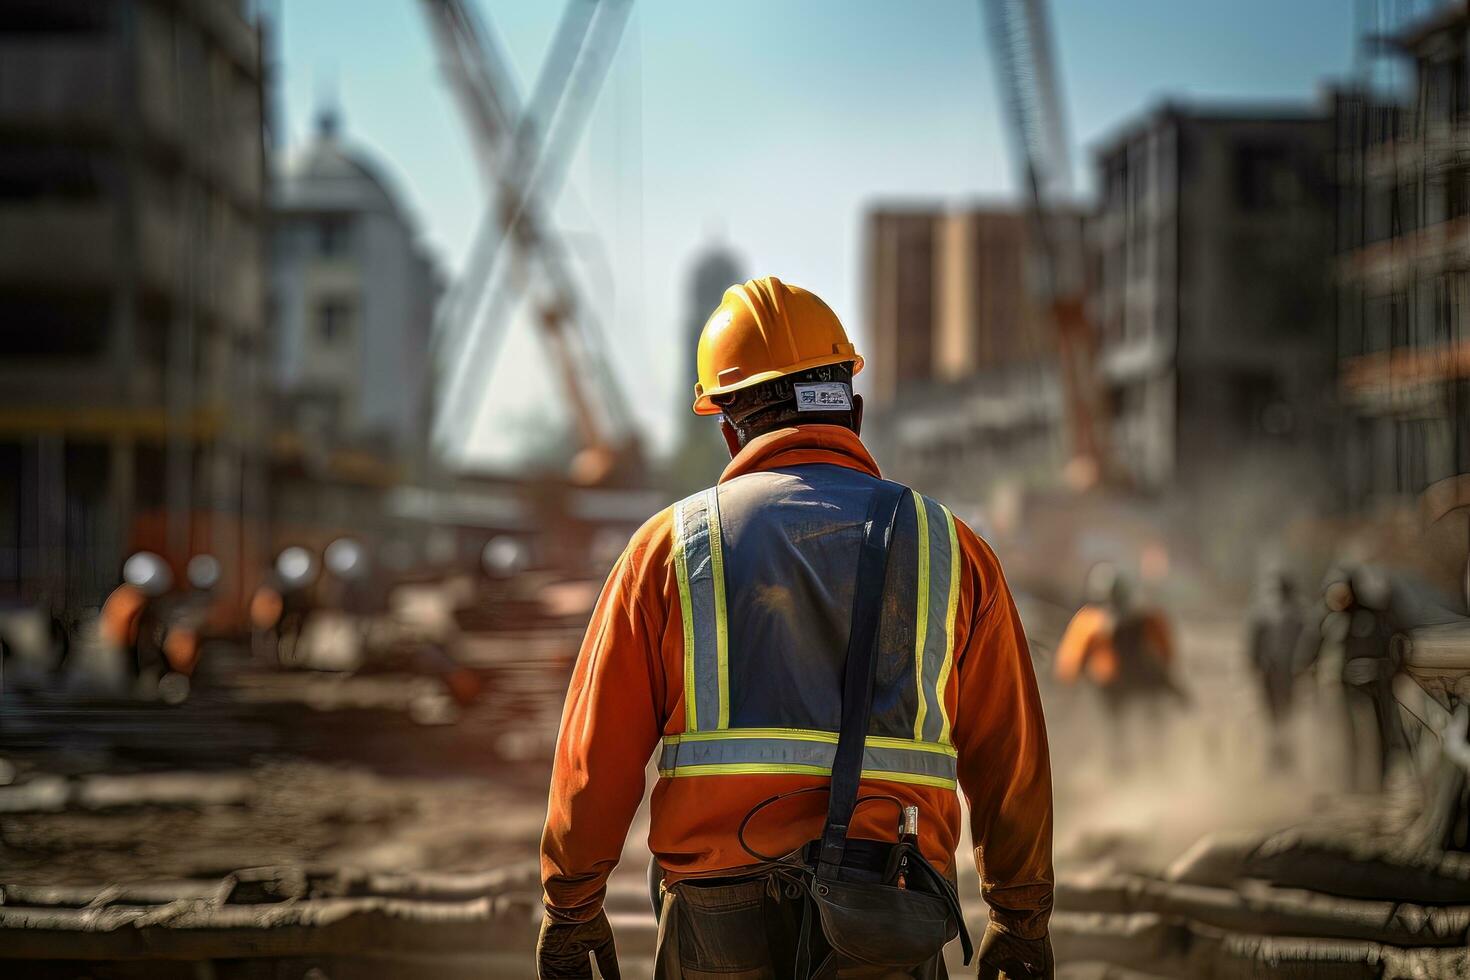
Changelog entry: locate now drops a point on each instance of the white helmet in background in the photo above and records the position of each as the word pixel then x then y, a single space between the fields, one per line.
pixel 148 573
pixel 296 567
pixel 203 572
pixel 504 557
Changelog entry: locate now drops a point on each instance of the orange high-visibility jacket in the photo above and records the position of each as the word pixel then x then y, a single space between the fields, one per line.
pixel 634 687
pixel 1087 646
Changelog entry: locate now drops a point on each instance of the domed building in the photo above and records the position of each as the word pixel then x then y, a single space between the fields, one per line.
pixel 354 295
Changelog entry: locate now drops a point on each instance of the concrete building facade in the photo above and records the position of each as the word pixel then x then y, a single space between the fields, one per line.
pixel 132 314
pixel 1404 274
pixel 1211 250
pixel 354 294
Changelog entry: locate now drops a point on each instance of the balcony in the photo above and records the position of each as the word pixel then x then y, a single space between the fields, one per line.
pixel 57 244
pixel 65 84
pixel 1404 378
pixel 1443 245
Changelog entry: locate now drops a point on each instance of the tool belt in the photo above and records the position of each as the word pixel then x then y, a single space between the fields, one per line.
pixel 879 905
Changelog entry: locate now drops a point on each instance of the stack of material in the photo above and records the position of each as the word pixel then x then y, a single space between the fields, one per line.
pixel 1291 905
pixel 277 922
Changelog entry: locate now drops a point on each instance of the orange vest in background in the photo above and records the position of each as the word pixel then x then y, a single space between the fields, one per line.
pixel 1088 646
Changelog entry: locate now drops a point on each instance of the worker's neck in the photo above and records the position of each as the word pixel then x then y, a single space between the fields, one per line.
pixel 738 439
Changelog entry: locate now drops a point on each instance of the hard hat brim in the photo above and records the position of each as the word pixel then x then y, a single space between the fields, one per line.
pixel 704 400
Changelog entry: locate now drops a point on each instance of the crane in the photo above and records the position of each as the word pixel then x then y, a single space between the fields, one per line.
pixel 522 152
pixel 1020 38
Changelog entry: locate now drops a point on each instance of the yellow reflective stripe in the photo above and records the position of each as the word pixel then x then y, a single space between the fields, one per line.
pixel 808 735
pixel 799 734
pixel 686 612
pixel 921 615
pixel 777 768
pixel 744 768
pixel 722 629
pixel 949 617
pixel 880 742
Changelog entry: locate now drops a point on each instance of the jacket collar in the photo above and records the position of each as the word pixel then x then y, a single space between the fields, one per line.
pixel 799 445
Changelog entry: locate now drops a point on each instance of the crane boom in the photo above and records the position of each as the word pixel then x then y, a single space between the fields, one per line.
pixel 524 152
pixel 1021 41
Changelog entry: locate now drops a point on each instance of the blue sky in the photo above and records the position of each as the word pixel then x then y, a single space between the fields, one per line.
pixel 768 126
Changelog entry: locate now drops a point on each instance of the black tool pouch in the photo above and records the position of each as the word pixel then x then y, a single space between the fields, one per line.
pixel 867 917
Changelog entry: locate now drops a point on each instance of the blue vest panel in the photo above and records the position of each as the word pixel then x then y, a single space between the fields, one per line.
pixel 766 565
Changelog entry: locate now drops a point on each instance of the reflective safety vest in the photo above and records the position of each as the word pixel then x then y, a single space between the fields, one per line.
pixel 766 564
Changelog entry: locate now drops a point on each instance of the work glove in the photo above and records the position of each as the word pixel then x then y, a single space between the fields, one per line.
pixel 1004 954
pixel 562 948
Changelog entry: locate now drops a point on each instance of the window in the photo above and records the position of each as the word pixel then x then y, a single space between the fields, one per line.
pixel 55 16
pixel 333 237
pixel 1406 208
pixel 1432 317
pixel 51 171
pixel 1457 193
pixel 334 321
pixel 1265 177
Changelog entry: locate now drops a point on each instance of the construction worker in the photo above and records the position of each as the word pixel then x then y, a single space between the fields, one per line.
pixel 1125 650
pixel 1356 651
pixel 132 619
pixel 720 640
pixel 1279 648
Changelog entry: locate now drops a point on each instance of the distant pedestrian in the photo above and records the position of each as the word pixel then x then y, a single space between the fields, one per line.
pixel 1279 648
pixel 1355 648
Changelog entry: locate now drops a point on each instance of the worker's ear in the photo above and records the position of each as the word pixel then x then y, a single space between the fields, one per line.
pixel 732 438
pixel 857 414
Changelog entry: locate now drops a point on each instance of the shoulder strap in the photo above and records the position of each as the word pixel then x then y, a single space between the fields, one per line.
pixel 857 685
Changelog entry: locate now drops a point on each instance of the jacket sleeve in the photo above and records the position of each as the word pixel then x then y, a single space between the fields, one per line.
pixel 1076 644
pixel 609 728
pixel 1000 735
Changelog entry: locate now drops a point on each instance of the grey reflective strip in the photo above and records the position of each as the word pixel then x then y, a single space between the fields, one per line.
pixel 936 636
pixel 705 615
pixel 733 754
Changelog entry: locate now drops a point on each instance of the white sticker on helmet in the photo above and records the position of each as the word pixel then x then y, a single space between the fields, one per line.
pixel 823 396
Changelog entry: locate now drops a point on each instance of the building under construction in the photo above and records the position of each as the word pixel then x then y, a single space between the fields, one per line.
pixel 1212 304
pixel 962 382
pixel 1403 259
pixel 133 315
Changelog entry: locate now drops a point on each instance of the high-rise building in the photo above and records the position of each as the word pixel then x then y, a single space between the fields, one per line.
pixel 1404 272
pixel 132 318
pixel 1213 301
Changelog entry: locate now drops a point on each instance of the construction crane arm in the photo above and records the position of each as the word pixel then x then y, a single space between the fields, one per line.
pixel 527 151
pixel 1021 42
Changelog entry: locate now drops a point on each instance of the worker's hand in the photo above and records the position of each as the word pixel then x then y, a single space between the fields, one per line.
pixel 563 947
pixel 1003 954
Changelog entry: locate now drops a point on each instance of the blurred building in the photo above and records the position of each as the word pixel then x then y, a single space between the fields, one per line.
pixel 700 454
pixel 131 290
pixel 1212 250
pixel 1404 241
pixel 960 379
pixel 354 294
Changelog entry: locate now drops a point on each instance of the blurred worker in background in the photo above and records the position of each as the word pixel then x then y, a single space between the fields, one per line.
pixel 1126 652
pixel 722 632
pixel 1356 652
pixel 1278 650
pixel 132 619
pixel 281 605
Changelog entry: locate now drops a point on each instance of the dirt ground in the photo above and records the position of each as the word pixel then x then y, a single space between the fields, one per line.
pixel 325 771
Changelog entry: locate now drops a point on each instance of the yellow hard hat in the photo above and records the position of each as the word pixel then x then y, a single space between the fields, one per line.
pixel 761 330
